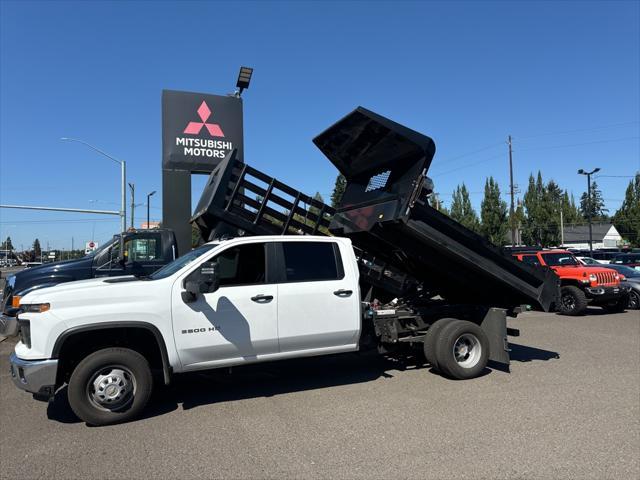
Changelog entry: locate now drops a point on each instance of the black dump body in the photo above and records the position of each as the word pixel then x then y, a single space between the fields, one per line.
pixel 384 211
pixel 400 241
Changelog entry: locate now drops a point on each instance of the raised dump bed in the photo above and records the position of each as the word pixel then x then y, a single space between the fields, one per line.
pixel 385 212
pixel 241 200
pixel 400 240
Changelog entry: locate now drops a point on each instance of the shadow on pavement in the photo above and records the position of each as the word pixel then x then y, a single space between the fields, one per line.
pixel 266 380
pixel 254 381
pixel 523 353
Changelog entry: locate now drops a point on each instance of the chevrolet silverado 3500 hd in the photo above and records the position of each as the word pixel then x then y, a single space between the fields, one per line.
pixel 282 294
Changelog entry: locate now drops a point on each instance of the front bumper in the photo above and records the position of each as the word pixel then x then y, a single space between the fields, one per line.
pixel 605 294
pixel 8 325
pixel 35 376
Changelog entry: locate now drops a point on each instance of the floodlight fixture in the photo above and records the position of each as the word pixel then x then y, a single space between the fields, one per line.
pixel 244 78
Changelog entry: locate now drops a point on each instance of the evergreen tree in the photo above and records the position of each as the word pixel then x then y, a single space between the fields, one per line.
pixel 532 203
pixel 7 245
pixel 627 218
pixel 551 207
pixel 338 190
pixel 598 212
pixel 461 209
pixel 493 213
pixel 570 213
pixel 37 251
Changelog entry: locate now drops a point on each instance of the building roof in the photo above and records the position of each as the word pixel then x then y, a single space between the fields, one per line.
pixel 580 233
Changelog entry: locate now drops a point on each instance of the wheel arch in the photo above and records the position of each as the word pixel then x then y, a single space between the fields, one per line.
pixel 74 334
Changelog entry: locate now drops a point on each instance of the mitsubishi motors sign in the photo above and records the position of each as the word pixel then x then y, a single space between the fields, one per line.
pixel 199 130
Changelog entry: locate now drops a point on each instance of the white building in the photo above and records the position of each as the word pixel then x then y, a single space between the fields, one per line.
pixel 604 235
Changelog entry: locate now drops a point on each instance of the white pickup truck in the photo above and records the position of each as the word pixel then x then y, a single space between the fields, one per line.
pixel 226 303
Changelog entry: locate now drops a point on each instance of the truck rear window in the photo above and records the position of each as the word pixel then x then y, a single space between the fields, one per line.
pixel 312 261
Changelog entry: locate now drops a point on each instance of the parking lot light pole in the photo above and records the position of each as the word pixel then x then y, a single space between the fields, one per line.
pixel 148 206
pixel 123 185
pixel 588 174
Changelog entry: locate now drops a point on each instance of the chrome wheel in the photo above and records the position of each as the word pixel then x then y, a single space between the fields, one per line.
pixel 112 388
pixel 467 350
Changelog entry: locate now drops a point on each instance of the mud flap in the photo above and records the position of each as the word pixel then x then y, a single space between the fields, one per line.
pixel 495 326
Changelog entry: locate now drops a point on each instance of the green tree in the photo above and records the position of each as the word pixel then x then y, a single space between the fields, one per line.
pixel 627 218
pixel 597 210
pixel 37 250
pixel 338 190
pixel 461 209
pixel 7 245
pixel 570 212
pixel 493 213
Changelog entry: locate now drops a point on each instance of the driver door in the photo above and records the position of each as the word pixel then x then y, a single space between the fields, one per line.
pixel 235 324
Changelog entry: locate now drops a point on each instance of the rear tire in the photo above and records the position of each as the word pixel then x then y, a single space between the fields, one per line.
pixel 572 301
pixel 431 339
pixel 110 386
pixel 462 350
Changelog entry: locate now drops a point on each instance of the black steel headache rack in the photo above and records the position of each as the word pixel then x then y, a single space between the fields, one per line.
pixel 239 199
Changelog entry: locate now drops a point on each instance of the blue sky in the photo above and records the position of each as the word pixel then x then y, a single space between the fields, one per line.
pixel 561 77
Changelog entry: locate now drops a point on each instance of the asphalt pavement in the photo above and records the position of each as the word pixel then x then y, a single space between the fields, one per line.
pixel 570 408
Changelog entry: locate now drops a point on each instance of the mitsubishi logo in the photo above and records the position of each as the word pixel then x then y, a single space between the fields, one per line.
pixel 204 113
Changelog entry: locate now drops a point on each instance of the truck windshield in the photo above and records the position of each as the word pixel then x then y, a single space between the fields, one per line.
pixel 556 259
pixel 171 268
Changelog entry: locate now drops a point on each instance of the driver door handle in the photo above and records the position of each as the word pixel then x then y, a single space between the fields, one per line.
pixel 343 293
pixel 262 298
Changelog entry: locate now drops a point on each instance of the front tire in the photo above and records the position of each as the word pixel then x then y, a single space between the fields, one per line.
pixel 110 386
pixel 462 350
pixel 572 301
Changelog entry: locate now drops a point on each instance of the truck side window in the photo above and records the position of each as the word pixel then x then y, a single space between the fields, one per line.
pixel 242 265
pixel 309 261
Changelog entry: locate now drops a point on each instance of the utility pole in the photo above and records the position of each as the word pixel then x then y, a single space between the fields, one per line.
pixel 511 208
pixel 561 229
pixel 133 195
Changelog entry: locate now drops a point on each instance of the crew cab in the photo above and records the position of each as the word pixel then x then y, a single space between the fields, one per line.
pixel 581 285
pixel 145 251
pixel 226 303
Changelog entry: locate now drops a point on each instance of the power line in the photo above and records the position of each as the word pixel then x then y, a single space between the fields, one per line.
pixel 566 132
pixel 465 166
pixel 580 144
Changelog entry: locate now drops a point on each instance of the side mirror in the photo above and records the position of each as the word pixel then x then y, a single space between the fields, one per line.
pixel 205 280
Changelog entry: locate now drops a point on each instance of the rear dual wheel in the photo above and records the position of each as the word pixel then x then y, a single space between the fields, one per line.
pixel 458 349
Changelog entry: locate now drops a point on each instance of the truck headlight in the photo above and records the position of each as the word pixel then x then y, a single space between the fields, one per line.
pixel 593 278
pixel 35 307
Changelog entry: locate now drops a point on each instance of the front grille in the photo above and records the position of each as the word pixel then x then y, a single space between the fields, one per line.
pixel 606 278
pixel 25 332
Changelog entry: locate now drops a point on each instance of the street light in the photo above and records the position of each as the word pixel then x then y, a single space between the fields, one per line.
pixel 588 174
pixel 123 186
pixel 244 78
pixel 148 201
pixel 132 187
